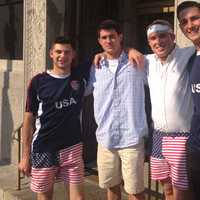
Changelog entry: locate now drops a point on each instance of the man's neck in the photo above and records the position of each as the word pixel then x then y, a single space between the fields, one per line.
pixel 197 47
pixel 114 55
pixel 61 71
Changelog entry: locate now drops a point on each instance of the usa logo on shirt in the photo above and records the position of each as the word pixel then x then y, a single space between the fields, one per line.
pixel 75 85
pixel 196 88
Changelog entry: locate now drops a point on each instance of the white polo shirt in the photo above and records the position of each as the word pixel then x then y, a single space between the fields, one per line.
pixel 170 91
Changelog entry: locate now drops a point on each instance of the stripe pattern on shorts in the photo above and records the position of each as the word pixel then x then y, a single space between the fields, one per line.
pixel 68 168
pixel 172 161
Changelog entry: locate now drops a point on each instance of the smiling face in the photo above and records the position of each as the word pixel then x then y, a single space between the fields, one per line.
pixel 161 43
pixel 110 41
pixel 189 19
pixel 62 56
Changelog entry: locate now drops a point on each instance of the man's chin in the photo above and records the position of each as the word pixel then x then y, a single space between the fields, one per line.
pixel 161 53
pixel 194 39
pixel 110 51
pixel 61 66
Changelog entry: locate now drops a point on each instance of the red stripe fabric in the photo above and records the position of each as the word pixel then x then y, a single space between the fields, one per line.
pixel 174 163
pixel 70 170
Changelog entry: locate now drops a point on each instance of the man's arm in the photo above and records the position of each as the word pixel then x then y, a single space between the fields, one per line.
pixel 137 57
pixel 134 56
pixel 27 136
pixel 89 87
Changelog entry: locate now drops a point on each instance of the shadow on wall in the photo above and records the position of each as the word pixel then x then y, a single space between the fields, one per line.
pixel 55 21
pixel 6 119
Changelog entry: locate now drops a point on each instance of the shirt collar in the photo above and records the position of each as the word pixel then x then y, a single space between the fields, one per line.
pixel 122 59
pixel 198 53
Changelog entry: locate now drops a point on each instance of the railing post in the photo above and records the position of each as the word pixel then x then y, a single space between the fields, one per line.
pixel 149 181
pixel 19 159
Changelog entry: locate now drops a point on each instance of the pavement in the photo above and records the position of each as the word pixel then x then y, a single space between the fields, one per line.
pixel 8 187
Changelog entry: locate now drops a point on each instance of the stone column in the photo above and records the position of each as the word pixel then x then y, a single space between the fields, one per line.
pixel 43 20
pixel 35 27
pixel 128 16
pixel 182 41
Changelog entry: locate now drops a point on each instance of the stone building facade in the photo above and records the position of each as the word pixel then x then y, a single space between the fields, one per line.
pixel 41 21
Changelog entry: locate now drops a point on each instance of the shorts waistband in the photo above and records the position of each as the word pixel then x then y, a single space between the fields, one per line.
pixel 171 134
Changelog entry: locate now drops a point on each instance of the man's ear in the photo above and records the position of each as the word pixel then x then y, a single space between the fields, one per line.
pixel 74 54
pixel 99 41
pixel 180 27
pixel 121 37
pixel 50 53
pixel 173 36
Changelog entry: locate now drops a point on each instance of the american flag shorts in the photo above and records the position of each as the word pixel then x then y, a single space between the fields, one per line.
pixel 65 165
pixel 168 158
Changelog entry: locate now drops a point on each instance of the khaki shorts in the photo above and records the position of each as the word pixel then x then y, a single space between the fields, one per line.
pixel 125 164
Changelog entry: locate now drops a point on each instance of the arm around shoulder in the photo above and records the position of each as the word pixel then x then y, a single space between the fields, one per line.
pixel 136 57
pixel 89 87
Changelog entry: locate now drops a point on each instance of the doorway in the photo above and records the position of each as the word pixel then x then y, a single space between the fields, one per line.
pixel 146 13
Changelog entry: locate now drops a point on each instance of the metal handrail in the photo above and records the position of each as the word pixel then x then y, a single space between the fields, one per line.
pixel 17 137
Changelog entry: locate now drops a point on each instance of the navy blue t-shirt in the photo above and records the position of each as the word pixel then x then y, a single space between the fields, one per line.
pixel 195 84
pixel 56 102
pixel 194 140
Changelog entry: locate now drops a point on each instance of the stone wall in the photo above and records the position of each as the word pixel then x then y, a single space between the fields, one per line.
pixel 11 105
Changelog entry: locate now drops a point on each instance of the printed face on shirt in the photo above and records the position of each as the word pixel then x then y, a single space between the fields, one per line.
pixel 110 41
pixel 189 19
pixel 62 55
pixel 161 43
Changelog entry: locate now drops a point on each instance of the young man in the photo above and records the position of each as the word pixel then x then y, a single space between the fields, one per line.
pixel 52 144
pixel 171 109
pixel 119 109
pixel 188 14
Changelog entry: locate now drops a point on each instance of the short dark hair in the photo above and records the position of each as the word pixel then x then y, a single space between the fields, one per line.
pixel 63 40
pixel 186 4
pixel 160 21
pixel 108 25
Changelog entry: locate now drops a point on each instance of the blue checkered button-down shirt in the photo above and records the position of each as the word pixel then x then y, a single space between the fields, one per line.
pixel 119 106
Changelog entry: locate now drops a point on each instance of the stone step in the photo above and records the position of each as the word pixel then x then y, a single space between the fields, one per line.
pixel 8 187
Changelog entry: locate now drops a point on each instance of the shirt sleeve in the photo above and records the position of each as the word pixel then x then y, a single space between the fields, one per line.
pixel 146 71
pixel 90 87
pixel 32 100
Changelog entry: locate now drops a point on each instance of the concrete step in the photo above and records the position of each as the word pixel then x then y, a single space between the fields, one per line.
pixel 8 187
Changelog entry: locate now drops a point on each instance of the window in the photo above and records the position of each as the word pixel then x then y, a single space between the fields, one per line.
pixel 11 26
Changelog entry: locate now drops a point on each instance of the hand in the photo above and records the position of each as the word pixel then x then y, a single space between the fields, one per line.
pixel 75 84
pixel 97 58
pixel 25 166
pixel 136 57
